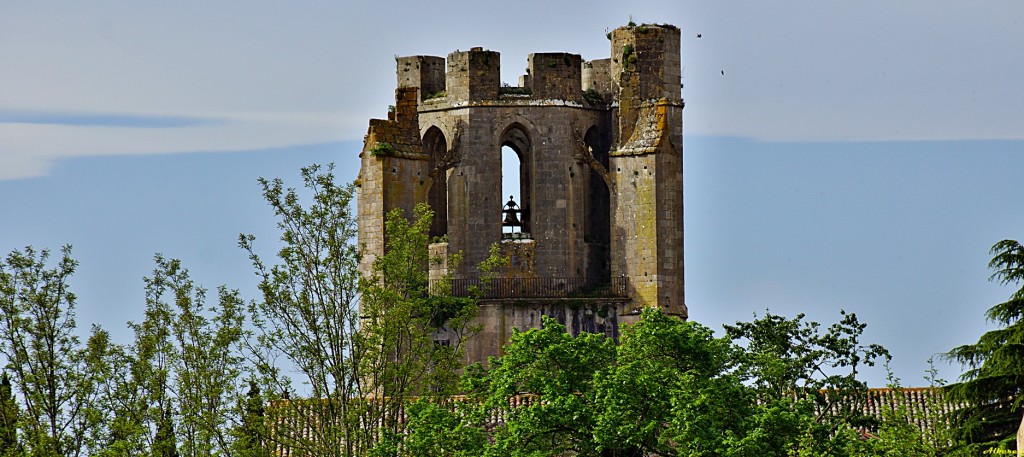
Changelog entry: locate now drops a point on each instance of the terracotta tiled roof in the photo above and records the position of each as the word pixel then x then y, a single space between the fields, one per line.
pixel 924 407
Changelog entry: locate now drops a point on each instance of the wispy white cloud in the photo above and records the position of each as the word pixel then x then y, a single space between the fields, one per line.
pixel 97 119
pixel 29 149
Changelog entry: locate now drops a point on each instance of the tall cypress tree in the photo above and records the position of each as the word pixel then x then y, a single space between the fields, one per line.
pixel 8 418
pixel 165 443
pixel 251 434
pixel 993 384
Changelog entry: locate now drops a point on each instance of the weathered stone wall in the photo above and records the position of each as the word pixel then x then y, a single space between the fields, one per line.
pixel 473 75
pixel 651 52
pixel 423 72
pixel 596 75
pixel 393 174
pixel 439 256
pixel 647 163
pixel 648 209
pixel 519 256
pixel 499 317
pixel 556 75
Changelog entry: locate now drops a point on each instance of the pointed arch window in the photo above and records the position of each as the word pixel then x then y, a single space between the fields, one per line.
pixel 516 181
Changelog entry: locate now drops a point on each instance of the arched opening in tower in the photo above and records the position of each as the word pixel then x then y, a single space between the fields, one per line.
pixel 597 231
pixel 512 190
pixel 436 146
pixel 515 181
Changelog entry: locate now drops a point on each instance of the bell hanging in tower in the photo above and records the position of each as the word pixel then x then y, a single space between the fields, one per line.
pixel 511 215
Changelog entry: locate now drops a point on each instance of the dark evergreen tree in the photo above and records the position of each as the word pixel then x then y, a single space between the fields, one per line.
pixel 165 443
pixel 8 418
pixel 994 380
pixel 250 435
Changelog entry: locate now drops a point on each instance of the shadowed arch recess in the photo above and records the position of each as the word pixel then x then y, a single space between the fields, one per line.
pixel 597 228
pixel 436 146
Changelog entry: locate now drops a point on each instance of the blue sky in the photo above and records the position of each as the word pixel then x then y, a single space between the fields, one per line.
pixel 854 155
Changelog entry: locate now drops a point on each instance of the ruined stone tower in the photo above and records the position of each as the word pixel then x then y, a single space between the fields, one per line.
pixel 600 211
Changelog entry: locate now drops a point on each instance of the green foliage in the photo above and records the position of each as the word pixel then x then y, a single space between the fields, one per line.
pixel 44 355
pixel 895 437
pixel 8 418
pixel 307 314
pixel 671 389
pixel 553 373
pixel 627 52
pixel 365 345
pixel 789 357
pixel 165 443
pixel 994 374
pixel 438 94
pixel 413 340
pixel 179 378
pixel 805 380
pixel 441 430
pixel 251 433
pixel 205 364
pixel 592 96
pixel 897 434
pixel 382 149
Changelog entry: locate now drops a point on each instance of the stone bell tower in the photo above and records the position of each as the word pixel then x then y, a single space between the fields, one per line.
pixel 599 220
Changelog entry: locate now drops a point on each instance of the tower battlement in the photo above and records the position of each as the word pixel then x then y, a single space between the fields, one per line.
pixel 426 73
pixel 556 75
pixel 650 51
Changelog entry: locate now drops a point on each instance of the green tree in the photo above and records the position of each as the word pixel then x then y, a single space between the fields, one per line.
pixel 411 341
pixel 672 392
pixel 991 384
pixel 187 364
pixel 45 356
pixel 153 357
pixel 251 433
pixel 173 390
pixel 671 388
pixel 543 387
pixel 307 315
pixel 119 401
pixel 8 418
pixel 165 442
pixel 365 345
pixel 794 366
pixel 209 366
pixel 443 429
